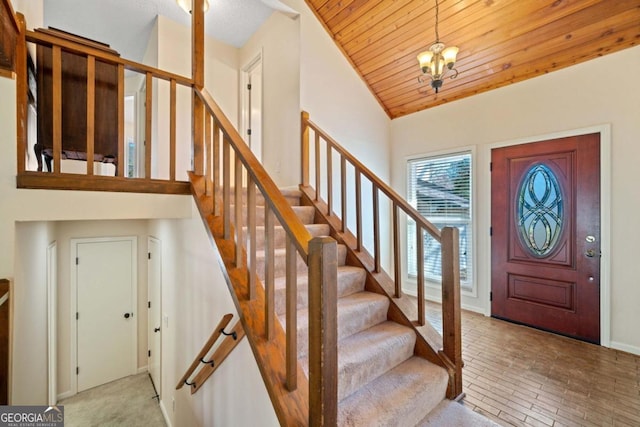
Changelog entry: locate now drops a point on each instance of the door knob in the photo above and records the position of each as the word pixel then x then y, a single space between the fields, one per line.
pixel 590 253
pixel 156 329
pixel 126 315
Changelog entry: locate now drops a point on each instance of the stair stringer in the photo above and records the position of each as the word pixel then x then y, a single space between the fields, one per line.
pixel 291 407
pixel 429 342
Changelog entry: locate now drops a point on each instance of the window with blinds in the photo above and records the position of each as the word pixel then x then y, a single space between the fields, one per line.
pixel 440 188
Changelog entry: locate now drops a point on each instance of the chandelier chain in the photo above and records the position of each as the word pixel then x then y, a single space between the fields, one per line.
pixel 437 13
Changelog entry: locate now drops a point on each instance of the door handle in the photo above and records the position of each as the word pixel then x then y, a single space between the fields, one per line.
pixel 156 329
pixel 590 253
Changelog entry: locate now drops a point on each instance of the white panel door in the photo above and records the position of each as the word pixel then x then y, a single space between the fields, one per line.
pixel 154 274
pixel 106 326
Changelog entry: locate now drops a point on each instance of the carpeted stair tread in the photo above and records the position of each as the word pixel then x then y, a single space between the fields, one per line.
pixel 279 235
pixel 451 413
pixel 280 265
pixel 292 195
pixel 400 398
pixel 356 312
pixel 350 280
pixel 305 213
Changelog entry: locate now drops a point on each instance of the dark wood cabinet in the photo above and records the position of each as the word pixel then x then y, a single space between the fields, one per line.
pixel 74 103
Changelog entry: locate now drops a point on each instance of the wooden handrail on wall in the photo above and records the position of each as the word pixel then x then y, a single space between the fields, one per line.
pixel 231 340
pixel 61 44
pixel 230 174
pixel 318 150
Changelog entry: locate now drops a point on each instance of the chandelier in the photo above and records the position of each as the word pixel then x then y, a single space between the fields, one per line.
pixel 438 61
pixel 186 5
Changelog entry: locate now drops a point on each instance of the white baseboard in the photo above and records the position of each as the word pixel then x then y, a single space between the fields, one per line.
pixel 65 395
pixel 164 414
pixel 625 347
pixel 143 369
pixel 438 300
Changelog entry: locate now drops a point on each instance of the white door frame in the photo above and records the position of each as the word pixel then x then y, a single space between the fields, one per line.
pixel 74 302
pixel 151 325
pixel 605 215
pixel 245 100
pixel 52 311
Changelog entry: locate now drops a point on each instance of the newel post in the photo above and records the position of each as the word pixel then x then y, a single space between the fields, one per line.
pixel 304 128
pixel 323 332
pixel 197 72
pixel 451 319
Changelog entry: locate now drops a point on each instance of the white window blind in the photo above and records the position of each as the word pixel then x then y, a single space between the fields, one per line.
pixel 440 188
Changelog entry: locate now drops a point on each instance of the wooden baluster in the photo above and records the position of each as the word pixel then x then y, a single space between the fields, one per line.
pixel 147 125
pixel 57 107
pixel 358 210
pixel 420 267
pixel 120 165
pixel 216 167
pixel 343 192
pixel 323 332
pixel 198 135
pixel 209 155
pixel 451 317
pixel 91 111
pixel 317 148
pixel 172 130
pixel 22 99
pixel 329 180
pixel 292 315
pixel 396 252
pixel 226 188
pixel 238 208
pixel 251 237
pixel 376 229
pixel 269 265
pixel 304 125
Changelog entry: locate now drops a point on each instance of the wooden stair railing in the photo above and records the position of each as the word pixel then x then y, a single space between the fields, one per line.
pixel 231 340
pixel 66 181
pixel 318 151
pixel 231 174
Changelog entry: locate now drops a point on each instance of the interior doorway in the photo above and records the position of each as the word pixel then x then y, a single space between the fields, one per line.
pixel 104 317
pixel 252 105
pixel 546 235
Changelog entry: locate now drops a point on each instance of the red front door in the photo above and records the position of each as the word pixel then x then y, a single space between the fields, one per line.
pixel 545 244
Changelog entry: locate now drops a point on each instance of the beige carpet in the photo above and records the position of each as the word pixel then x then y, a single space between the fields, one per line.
pixel 126 402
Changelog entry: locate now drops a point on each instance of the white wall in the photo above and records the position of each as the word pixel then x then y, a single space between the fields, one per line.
pixel 577 97
pixel 29 375
pixel 278 41
pixel 194 298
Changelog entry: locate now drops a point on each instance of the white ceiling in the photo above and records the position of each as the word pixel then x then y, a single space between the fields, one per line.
pixel 126 25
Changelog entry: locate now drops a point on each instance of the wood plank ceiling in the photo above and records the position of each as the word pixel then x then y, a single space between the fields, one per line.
pixel 500 41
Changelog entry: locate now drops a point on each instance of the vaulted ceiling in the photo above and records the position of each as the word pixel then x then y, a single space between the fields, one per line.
pixel 501 41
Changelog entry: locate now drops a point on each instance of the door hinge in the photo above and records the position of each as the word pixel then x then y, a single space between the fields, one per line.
pixel 249 132
pixel 77 260
pixel 490 166
pixel 491 296
pixel 249 86
pixel 148 255
pixel 148 304
pixel 490 231
pixel 77 370
pixel 149 353
pixel 77 315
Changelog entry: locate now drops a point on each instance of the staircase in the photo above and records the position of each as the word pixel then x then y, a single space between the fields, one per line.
pixel 381 381
pixel 376 361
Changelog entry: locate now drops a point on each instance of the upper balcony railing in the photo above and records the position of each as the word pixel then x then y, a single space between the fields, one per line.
pixel 75 94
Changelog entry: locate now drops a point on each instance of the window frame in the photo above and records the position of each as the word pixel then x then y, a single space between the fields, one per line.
pixel 469 287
